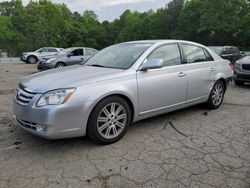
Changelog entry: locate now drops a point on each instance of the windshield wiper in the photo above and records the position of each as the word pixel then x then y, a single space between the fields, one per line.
pixel 96 65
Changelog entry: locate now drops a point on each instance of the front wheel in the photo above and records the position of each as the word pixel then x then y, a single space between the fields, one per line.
pixel 32 59
pixel 60 65
pixel 109 120
pixel 217 95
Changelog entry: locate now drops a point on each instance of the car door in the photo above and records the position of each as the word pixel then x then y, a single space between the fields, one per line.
pixel 75 57
pixel 42 53
pixel 200 72
pixel 162 88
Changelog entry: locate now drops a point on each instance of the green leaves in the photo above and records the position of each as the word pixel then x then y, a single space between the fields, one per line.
pixel 214 22
pixel 43 23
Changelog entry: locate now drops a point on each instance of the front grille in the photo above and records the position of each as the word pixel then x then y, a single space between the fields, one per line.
pixel 246 67
pixel 31 125
pixel 27 124
pixel 244 77
pixel 23 97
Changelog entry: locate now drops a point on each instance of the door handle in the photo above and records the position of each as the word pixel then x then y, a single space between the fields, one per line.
pixel 82 58
pixel 181 74
pixel 212 69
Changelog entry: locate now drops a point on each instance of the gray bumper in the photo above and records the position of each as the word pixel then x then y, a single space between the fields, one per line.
pixel 241 76
pixel 51 122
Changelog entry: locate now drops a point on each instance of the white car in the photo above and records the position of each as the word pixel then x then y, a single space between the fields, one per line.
pixel 33 57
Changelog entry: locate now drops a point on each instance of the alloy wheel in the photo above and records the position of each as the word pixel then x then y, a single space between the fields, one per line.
pixel 32 60
pixel 111 120
pixel 217 94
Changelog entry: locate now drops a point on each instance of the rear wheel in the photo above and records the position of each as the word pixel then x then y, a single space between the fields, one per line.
pixel 32 59
pixel 60 65
pixel 239 83
pixel 109 120
pixel 217 95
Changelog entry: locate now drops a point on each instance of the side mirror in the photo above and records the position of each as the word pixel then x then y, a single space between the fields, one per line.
pixel 70 54
pixel 152 64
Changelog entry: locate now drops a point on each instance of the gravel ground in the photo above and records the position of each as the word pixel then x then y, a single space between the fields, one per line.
pixel 193 147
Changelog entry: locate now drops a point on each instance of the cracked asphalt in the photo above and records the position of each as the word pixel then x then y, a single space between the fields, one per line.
pixel 192 147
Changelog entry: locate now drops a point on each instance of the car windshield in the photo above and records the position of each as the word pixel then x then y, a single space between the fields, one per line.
pixel 217 50
pixel 121 56
pixel 63 52
pixel 39 50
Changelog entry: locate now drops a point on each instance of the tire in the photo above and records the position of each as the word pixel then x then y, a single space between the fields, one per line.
pixel 238 83
pixel 60 65
pixel 216 96
pixel 104 127
pixel 32 59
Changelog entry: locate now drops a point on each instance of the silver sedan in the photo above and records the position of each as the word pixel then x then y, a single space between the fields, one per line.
pixel 122 84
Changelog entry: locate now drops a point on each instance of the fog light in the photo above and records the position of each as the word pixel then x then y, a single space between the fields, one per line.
pixel 40 128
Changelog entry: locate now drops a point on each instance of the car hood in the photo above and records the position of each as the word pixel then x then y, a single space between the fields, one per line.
pixel 29 53
pixel 245 60
pixel 66 77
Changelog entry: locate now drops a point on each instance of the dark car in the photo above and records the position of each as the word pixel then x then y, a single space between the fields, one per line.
pixel 230 53
pixel 245 53
pixel 242 71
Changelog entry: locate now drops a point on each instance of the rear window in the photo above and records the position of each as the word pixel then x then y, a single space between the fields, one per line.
pixel 196 54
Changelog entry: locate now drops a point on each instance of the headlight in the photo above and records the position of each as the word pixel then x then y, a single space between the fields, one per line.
pixel 50 60
pixel 237 65
pixel 55 97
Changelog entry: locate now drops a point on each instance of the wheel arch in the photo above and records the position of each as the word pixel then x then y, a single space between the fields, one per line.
pixel 223 81
pixel 61 63
pixel 121 95
pixel 221 77
pixel 32 55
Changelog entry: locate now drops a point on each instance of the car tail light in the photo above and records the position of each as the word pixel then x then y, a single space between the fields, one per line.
pixel 231 65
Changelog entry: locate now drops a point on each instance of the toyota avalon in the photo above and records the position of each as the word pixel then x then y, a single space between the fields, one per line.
pixel 122 84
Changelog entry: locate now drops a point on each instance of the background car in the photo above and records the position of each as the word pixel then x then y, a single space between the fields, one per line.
pixel 33 57
pixel 242 71
pixel 67 57
pixel 121 84
pixel 230 53
pixel 245 53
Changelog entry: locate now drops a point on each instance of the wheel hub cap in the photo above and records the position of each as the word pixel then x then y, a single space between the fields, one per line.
pixel 111 120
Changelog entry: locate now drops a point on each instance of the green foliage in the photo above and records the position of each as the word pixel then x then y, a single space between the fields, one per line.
pixel 43 23
pixel 213 22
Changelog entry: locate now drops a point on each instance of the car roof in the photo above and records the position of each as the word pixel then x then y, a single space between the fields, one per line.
pixel 73 48
pixel 160 41
pixel 222 47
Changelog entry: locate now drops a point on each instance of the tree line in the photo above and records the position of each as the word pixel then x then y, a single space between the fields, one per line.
pixel 44 23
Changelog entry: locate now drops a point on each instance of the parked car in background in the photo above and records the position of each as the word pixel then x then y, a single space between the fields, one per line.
pixel 67 57
pixel 230 53
pixel 121 84
pixel 242 71
pixel 245 53
pixel 34 57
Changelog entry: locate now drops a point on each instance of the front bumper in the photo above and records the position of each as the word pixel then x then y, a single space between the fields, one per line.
pixel 52 122
pixel 43 66
pixel 241 75
pixel 23 58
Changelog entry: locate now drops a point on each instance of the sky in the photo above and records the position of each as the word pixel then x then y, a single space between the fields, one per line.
pixel 110 9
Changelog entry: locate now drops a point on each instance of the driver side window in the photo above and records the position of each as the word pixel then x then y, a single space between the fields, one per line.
pixel 170 54
pixel 77 52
